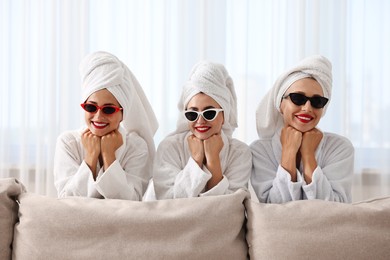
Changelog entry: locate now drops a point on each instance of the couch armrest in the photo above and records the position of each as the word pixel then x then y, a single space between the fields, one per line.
pixel 10 188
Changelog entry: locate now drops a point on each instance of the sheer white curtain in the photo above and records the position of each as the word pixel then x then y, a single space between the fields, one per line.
pixel 43 41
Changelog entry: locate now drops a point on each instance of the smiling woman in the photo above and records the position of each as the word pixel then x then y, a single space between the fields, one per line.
pixel 201 158
pixel 294 159
pixel 112 157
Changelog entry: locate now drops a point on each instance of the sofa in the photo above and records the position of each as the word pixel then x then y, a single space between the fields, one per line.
pixel 219 227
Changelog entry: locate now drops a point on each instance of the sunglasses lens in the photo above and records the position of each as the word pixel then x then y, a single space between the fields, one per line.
pixel 318 102
pixel 209 114
pixel 298 99
pixel 90 108
pixel 191 115
pixel 108 110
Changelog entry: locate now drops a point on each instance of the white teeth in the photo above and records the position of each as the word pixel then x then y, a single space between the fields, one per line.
pixel 304 118
pixel 202 128
pixel 99 124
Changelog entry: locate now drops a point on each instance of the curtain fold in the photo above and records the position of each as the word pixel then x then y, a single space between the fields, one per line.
pixel 42 43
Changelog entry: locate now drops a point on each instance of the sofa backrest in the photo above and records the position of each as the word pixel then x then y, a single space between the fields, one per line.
pixel 318 229
pixel 217 227
pixel 84 228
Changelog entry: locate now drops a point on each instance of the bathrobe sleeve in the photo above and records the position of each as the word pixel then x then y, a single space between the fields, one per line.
pixel 126 178
pixel 72 175
pixel 332 179
pixel 236 167
pixel 177 175
pixel 270 181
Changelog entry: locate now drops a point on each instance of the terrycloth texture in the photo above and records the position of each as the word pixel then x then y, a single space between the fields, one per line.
pixel 10 188
pixel 268 117
pixel 126 178
pixel 332 179
pixel 318 229
pixel 102 70
pixel 85 228
pixel 177 175
pixel 213 80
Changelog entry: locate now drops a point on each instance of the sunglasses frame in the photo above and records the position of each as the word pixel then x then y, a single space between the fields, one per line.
pixel 117 109
pixel 323 100
pixel 216 110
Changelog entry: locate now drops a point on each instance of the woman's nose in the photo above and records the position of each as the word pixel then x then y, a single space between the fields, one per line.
pixel 99 113
pixel 200 119
pixel 307 106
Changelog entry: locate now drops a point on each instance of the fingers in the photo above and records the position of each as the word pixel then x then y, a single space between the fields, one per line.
pixel 111 141
pixel 291 139
pixel 91 144
pixel 213 146
pixel 88 137
pixel 311 139
pixel 196 149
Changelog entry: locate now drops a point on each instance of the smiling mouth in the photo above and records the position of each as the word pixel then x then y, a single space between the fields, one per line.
pixel 304 118
pixel 202 129
pixel 99 125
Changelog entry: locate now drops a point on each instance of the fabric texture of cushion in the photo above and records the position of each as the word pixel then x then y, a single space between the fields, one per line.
pixel 10 188
pixel 317 229
pixel 84 228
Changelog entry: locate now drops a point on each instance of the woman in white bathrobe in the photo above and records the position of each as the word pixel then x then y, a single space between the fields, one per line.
pixel 112 156
pixel 201 158
pixel 293 159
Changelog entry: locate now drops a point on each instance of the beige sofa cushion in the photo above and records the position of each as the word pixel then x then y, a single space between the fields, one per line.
pixel 84 228
pixel 10 188
pixel 319 230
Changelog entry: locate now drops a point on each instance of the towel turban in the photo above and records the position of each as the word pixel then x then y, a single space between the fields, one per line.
pixel 268 116
pixel 213 80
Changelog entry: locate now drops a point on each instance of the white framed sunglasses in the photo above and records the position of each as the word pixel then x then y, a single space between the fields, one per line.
pixel 208 114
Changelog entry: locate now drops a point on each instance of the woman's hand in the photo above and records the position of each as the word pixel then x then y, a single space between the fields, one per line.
pixel 212 147
pixel 109 144
pixel 91 144
pixel 196 148
pixel 310 141
pixel 291 141
pixel 207 152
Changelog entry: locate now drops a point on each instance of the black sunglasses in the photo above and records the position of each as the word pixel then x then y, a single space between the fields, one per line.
pixel 208 114
pixel 300 99
pixel 106 109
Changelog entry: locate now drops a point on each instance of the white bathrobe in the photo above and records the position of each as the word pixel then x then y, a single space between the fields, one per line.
pixel 175 172
pixel 177 175
pixel 126 178
pixel 332 179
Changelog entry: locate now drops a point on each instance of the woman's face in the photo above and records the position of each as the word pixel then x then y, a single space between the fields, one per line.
pixel 100 123
pixel 201 128
pixel 304 117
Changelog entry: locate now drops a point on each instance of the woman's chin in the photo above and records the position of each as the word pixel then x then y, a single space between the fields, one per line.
pixel 98 132
pixel 202 136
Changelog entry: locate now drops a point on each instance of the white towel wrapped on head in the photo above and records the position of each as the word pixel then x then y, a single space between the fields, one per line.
pixel 213 80
pixel 268 116
pixel 102 70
